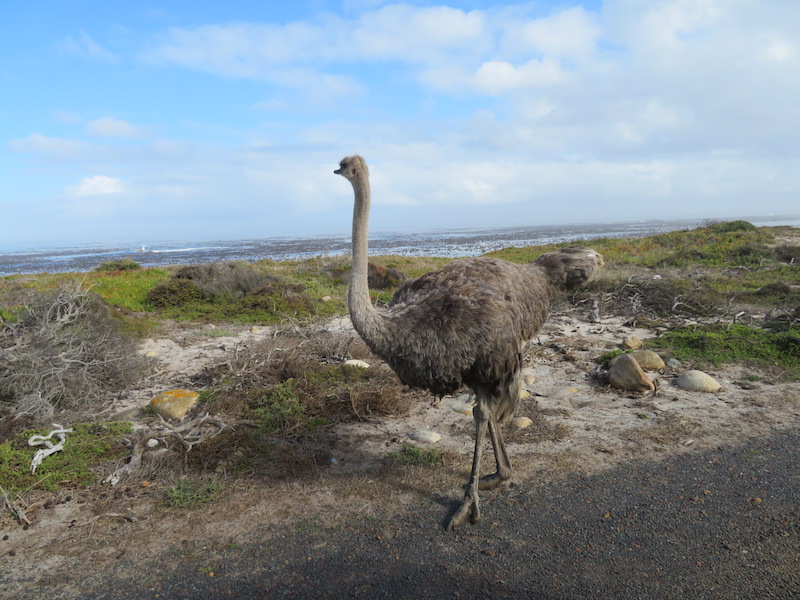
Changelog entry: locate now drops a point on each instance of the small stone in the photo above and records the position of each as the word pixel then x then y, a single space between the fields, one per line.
pixel 151 354
pixel 632 343
pixel 326 298
pixel 522 422
pixel 697 381
pixel 524 394
pixel 674 363
pixel 425 436
pixel 461 404
pixel 354 362
pixel 152 443
pixel 528 379
pixel 564 392
pixel 626 374
pixel 174 404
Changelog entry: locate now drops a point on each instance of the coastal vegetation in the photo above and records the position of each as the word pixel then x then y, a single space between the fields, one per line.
pixel 719 294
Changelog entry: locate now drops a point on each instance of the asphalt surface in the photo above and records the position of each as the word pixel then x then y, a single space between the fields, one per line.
pixel 722 524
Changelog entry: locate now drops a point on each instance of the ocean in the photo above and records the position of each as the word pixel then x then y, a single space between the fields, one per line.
pixel 445 242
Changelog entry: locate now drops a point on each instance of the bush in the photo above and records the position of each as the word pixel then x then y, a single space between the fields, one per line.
pixel 118 264
pixel 729 226
pixel 174 292
pixel 65 351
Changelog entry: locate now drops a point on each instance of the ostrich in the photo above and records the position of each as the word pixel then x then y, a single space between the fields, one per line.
pixel 464 325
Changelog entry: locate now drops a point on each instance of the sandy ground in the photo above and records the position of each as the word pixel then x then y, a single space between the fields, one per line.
pixel 580 425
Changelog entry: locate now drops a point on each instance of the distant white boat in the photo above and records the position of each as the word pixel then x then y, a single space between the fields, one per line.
pixel 143 249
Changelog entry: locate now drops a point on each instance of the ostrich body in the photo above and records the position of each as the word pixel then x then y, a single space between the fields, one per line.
pixel 464 325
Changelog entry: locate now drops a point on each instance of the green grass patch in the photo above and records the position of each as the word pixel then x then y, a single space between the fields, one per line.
pixel 127 289
pixel 88 446
pixel 735 344
pixel 414 455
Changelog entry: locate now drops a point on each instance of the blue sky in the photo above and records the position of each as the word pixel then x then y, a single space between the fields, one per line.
pixel 201 121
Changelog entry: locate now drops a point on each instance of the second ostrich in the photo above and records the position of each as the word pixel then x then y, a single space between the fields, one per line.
pixel 464 325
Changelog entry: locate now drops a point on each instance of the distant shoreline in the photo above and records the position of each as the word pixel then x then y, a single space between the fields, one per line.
pixel 446 242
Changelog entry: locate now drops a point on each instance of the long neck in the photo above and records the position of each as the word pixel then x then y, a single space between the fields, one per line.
pixel 366 320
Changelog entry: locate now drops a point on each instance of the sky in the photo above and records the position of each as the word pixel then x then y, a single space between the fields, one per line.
pixel 177 120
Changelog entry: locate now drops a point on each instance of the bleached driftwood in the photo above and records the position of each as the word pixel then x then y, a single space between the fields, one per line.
pixel 39 440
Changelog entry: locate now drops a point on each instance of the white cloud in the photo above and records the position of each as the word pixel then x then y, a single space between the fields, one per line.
pixel 84 46
pixel 99 185
pixel 36 143
pixel 108 127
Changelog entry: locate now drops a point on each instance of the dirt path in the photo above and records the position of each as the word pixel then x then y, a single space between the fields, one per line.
pixel 347 519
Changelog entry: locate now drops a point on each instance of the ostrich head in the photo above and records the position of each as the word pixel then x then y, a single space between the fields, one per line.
pixel 352 167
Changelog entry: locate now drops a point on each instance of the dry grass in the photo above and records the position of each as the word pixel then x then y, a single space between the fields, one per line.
pixel 285 395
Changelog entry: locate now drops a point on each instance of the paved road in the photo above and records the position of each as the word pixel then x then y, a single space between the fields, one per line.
pixel 722 524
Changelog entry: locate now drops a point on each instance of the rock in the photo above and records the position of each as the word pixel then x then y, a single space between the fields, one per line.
pixel 564 392
pixel 425 436
pixel 632 343
pixel 152 443
pixel 524 394
pixel 648 360
pixel 528 379
pixel 354 362
pixel 522 422
pixel 151 354
pixel 326 298
pixel 697 381
pixel 626 374
pixel 174 404
pixel 674 363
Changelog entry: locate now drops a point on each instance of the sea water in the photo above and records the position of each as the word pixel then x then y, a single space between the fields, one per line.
pixel 445 242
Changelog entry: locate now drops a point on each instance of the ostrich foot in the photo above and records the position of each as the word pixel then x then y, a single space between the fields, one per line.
pixel 469 509
pixel 489 482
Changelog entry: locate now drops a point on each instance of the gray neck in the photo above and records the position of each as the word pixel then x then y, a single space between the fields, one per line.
pixel 366 320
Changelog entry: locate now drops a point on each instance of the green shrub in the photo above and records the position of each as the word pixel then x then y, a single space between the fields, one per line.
pixel 118 264
pixel 174 292
pixel 730 226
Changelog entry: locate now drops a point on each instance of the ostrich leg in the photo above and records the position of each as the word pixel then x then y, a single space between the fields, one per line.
pixel 503 472
pixel 469 507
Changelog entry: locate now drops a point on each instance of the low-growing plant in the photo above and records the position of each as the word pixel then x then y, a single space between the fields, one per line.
pixel 716 345
pixel 191 493
pixel 414 455
pixel 118 264
pixel 89 445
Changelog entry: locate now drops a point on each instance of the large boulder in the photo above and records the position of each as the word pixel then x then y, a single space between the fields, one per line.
pixel 626 374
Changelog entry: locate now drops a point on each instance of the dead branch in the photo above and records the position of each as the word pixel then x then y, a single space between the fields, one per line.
pixel 187 433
